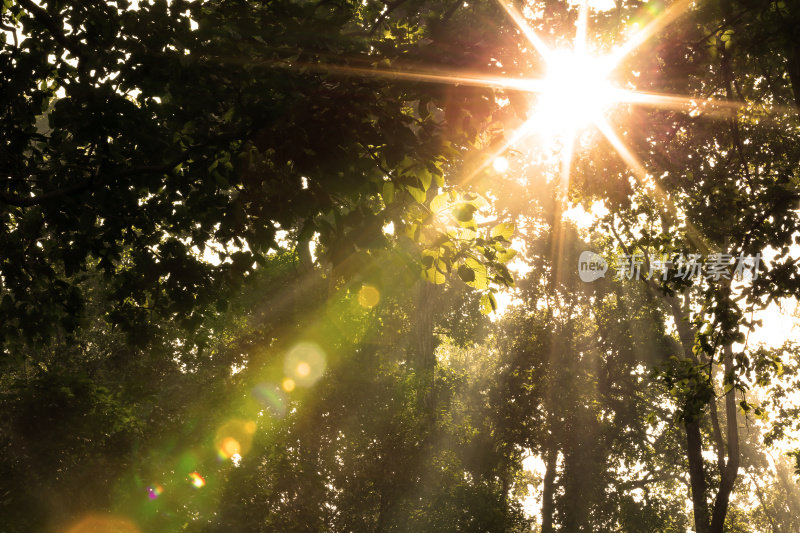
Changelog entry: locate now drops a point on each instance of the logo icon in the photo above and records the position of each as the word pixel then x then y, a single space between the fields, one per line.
pixel 591 266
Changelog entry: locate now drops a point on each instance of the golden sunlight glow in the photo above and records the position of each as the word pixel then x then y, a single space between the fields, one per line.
pixel 575 92
pixel 577 89
pixel 500 164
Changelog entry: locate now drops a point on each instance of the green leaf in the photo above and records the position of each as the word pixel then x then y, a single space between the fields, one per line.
pixel 481 281
pixel 440 202
pixel 438 178
pixel 505 230
pixel 416 193
pixel 464 211
pixel 506 255
pixel 466 274
pixel 434 266
pixel 425 178
pixel 488 303
pixel 434 274
pixel 388 192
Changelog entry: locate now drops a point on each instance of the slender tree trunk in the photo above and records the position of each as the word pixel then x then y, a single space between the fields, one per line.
pixel 548 490
pixel 697 477
pixel 694 439
pixel 422 341
pixel 731 471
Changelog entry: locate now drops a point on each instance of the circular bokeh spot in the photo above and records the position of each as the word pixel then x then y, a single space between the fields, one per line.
pixel 368 296
pixel 234 438
pixel 304 364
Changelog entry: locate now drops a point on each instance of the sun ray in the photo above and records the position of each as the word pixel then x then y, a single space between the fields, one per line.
pixel 647 182
pixel 525 28
pixel 570 100
pixel 676 103
pixel 689 104
pixel 659 23
pixel 450 78
pixel 580 33
pixel 535 85
pixel 519 134
pixel 567 152
pixel 562 190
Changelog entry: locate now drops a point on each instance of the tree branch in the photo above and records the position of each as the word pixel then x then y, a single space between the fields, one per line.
pixel 13 31
pixel 719 444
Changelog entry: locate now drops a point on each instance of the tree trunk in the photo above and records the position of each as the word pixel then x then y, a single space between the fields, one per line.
pixel 548 490
pixel 422 345
pixel 422 342
pixel 730 472
pixel 697 478
pixel 694 439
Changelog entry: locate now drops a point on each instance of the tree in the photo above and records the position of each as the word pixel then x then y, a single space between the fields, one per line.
pixel 144 142
pixel 709 185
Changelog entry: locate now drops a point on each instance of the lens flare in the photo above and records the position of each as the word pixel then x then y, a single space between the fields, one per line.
pixel 271 397
pixel 230 447
pixel 235 437
pixel 288 384
pixel 304 364
pixel 500 164
pixel 303 369
pixel 368 296
pixel 154 491
pixel 197 480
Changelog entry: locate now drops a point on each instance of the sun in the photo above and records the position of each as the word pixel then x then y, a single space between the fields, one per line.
pixel 575 92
